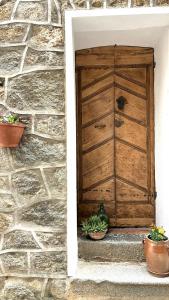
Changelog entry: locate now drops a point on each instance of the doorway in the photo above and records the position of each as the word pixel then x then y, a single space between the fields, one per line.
pixel 115 134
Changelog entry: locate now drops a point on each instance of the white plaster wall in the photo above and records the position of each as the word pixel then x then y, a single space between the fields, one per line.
pixel 148 31
pixel 146 37
pixel 162 130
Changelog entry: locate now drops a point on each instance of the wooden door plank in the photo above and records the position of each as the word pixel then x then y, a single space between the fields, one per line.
pixel 131 164
pixel 135 107
pixel 131 132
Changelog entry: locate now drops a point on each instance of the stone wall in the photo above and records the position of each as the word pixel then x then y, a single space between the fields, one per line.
pixel 32 176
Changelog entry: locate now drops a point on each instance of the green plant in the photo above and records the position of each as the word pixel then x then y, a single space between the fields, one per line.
pixel 102 214
pixel 9 118
pixel 94 224
pixel 157 234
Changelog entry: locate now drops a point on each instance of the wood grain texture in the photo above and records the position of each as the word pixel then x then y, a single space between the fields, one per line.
pixel 116 145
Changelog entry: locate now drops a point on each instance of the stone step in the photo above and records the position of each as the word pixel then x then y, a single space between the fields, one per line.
pixel 114 248
pixel 116 281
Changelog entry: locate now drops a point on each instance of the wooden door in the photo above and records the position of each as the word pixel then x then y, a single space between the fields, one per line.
pixel 116 134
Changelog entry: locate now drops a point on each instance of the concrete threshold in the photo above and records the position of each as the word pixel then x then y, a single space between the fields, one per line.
pixel 116 281
pixel 123 273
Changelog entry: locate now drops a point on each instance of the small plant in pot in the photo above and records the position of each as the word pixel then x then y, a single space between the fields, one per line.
pixel 11 130
pixel 156 249
pixel 94 227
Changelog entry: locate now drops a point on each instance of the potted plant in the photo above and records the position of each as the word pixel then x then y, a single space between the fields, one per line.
pixel 11 130
pixel 156 249
pixel 94 227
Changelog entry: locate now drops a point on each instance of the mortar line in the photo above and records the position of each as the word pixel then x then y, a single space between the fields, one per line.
pixel 7 45
pixel 151 3
pixel 17 21
pixel 29 262
pixel 14 9
pixel 58 11
pixel 27 32
pixel 49 11
pixel 23 59
pixel 1 242
pixel 33 124
pixel 45 183
pixel 44 288
pixel 72 4
pixel 2 267
pixel 129 3
pixel 37 240
pixel 29 251
pixel 32 111
pixel 36 69
pixel 6 89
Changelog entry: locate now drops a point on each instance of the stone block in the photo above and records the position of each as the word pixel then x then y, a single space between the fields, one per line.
pixel 161 2
pixel 96 3
pixel 6 7
pixel 44 213
pixel 14 262
pixel 51 239
pixel 56 179
pixel 12 33
pixel 48 262
pixel 36 151
pixel 46 37
pixel 79 3
pixel 31 10
pixel 5 221
pixel 39 91
pixel 56 289
pixel 5 164
pixel 29 186
pixel 140 3
pixel 19 239
pixel 22 289
pixel 51 125
pixel 38 59
pixel 66 4
pixel 10 59
pixel 7 203
pixel 117 3
pixel 26 119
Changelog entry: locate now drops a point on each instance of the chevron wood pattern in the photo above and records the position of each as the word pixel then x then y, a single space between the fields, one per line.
pixel 116 144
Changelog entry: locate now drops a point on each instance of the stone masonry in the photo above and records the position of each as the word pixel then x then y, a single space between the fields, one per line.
pixel 33 176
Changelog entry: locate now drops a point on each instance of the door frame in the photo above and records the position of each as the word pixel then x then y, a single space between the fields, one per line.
pixel 70 16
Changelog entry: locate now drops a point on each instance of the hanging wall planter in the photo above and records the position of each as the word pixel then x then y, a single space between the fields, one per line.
pixel 11 131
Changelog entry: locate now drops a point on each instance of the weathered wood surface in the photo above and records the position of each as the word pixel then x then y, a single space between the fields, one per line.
pixel 116 146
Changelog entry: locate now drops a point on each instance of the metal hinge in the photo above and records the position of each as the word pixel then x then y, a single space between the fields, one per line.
pixel 155 195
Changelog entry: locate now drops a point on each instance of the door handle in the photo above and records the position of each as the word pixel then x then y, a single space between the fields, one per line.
pixel 121 101
pixel 100 126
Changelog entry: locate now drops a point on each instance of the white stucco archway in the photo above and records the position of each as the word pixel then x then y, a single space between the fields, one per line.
pixel 135 27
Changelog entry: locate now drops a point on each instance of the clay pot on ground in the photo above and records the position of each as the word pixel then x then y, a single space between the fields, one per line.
pixel 97 235
pixel 157 256
pixel 10 134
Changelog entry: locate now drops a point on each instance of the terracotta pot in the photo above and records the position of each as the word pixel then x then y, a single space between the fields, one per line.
pixel 157 256
pixel 10 134
pixel 97 235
